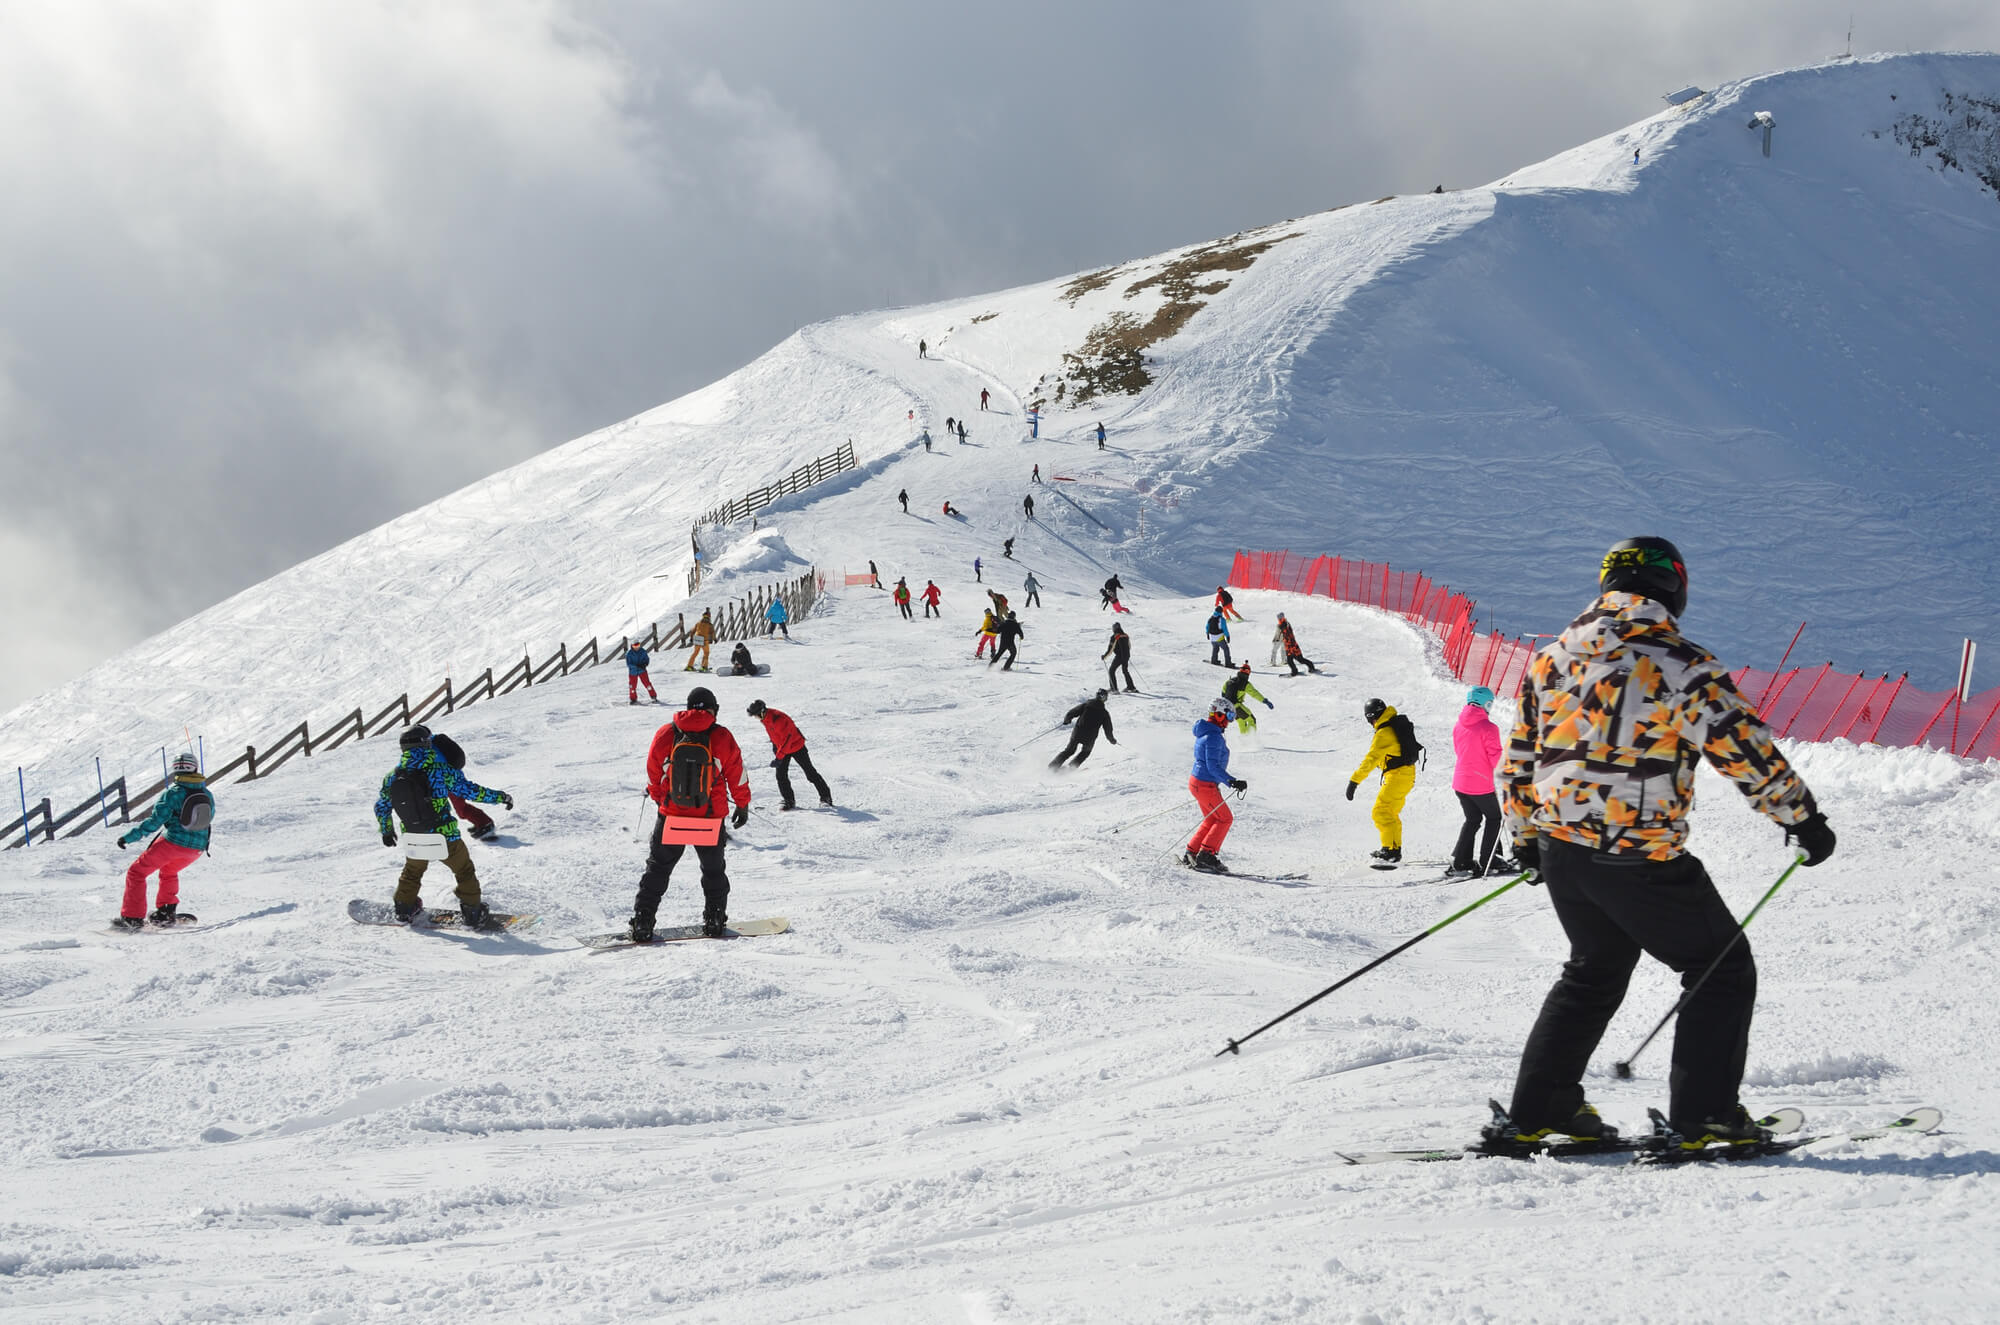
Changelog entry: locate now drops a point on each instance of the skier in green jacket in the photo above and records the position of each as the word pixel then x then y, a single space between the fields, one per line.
pixel 1235 689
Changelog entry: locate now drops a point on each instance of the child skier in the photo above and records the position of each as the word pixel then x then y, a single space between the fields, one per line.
pixel 694 768
pixel 989 633
pixel 777 616
pixel 1394 750
pixel 185 810
pixel 419 788
pixel 1211 774
pixel 636 662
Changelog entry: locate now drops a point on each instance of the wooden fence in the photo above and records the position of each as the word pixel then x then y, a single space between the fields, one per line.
pixel 820 470
pixel 737 619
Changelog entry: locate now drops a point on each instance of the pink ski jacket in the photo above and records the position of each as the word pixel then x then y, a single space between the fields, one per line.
pixel 1477 743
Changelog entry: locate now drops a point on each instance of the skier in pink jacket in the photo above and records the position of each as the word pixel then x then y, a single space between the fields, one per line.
pixel 1476 741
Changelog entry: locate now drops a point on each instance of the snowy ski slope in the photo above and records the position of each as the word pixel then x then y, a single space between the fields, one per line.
pixel 976 1080
pixel 1786 363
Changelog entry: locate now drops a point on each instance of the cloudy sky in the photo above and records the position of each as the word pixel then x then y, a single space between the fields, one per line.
pixel 273 272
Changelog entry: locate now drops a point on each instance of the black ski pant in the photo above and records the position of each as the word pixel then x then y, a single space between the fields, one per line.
pixel 1034 598
pixel 1292 660
pixel 812 776
pixel 904 608
pixel 1006 648
pixel 1220 646
pixel 660 862
pixel 1081 743
pixel 1613 908
pixel 930 610
pixel 1120 665
pixel 1480 808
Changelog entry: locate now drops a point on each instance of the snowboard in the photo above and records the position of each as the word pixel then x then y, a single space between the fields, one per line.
pixel 740 929
pixel 182 920
pixel 761 669
pixel 383 913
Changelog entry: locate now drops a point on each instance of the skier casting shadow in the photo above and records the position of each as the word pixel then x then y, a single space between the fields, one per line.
pixel 1089 717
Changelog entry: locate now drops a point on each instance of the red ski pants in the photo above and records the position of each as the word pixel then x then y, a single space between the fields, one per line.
pixel 632 680
pixel 169 859
pixel 474 816
pixel 1216 817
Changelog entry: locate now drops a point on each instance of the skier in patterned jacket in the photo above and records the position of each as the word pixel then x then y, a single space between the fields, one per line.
pixel 1614 715
pixel 422 802
pixel 173 851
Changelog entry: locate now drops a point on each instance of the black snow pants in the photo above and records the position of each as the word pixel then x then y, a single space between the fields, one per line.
pixel 1480 808
pixel 1008 648
pixel 1613 908
pixel 812 776
pixel 1081 743
pixel 660 862
pixel 1120 665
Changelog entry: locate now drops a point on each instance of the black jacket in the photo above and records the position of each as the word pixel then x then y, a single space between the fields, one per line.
pixel 1120 649
pixel 1089 716
pixel 1010 630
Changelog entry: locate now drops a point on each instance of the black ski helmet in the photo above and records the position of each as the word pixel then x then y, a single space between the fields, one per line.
pixel 413 737
pixel 756 709
pixel 701 697
pixel 1103 693
pixel 1651 567
pixel 1373 710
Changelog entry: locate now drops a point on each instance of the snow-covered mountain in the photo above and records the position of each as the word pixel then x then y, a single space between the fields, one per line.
pixel 1785 363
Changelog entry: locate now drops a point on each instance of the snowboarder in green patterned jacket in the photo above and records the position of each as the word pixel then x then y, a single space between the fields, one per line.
pixel 419 789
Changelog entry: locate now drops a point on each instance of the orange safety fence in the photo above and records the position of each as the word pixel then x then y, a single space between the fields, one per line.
pixel 1804 703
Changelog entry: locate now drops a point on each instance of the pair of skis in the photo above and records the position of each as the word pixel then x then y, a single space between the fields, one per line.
pixel 1662 1146
pixel 365 912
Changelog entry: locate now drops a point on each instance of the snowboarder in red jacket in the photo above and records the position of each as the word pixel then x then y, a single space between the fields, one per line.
pixel 788 744
pixel 693 770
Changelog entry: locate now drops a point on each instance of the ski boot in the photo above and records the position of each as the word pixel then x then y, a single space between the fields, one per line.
pixel 409 911
pixel 130 924
pixel 1458 871
pixel 714 923
pixel 1736 1128
pixel 163 915
pixel 476 915
pixel 485 832
pixel 1584 1132
pixel 1209 863
pixel 1388 855
pixel 640 929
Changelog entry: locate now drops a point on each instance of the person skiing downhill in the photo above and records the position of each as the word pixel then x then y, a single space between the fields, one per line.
pixel 703 636
pixel 989 633
pixel 901 597
pixel 903 494
pixel 1100 436
pixel 1614 716
pixel 932 596
pixel 1218 640
pixel 1007 548
pixel 1394 750
pixel 1119 651
pixel 180 845
pixel 1234 690
pixel 976 568
pixel 419 789
pixel 923 350
pixel 1035 474
pixel 1475 742
pixel 1226 604
pixel 1089 717
pixel 1034 588
pixel 636 662
pixel 1028 507
pixel 1210 775
pixel 1010 632
pixel 1294 655
pixel 787 743
pixel 983 394
pixel 777 616
pixel 694 769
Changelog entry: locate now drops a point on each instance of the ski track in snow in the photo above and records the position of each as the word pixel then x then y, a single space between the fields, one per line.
pixel 976 1080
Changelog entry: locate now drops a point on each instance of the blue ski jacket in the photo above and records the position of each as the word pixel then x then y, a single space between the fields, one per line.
pixel 636 659
pixel 1211 753
pixel 776 611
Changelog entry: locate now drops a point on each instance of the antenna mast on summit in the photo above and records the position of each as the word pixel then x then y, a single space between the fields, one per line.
pixel 1850 34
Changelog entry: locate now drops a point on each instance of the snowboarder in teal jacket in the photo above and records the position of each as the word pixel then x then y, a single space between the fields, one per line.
pixel 180 846
pixel 429 811
pixel 777 616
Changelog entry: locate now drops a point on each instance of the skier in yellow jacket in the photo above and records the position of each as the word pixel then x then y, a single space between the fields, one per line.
pixel 1394 750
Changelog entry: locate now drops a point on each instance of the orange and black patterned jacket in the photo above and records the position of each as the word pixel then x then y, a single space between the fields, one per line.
pixel 1613 716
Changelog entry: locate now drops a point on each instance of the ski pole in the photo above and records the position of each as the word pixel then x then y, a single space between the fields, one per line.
pixel 1198 823
pixel 641 829
pixel 1234 1045
pixel 1147 819
pixel 1623 1070
pixel 1037 736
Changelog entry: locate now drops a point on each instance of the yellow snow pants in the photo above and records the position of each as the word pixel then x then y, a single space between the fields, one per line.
pixel 1388 814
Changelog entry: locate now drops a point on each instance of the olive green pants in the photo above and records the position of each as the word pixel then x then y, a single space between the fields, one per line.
pixel 457 859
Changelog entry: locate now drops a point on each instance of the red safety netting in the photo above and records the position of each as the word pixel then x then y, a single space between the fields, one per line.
pixel 1805 703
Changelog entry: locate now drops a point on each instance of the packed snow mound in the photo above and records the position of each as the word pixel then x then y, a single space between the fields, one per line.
pixel 1782 363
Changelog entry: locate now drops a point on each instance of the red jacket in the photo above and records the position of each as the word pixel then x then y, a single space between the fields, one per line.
pixel 931 594
pixel 723 754
pixel 784 733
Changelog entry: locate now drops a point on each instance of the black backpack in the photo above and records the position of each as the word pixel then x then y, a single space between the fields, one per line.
pixel 690 771
pixel 1406 736
pixel 197 809
pixel 453 753
pixel 410 794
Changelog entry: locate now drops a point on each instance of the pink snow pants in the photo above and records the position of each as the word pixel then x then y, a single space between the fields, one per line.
pixel 169 859
pixel 1216 817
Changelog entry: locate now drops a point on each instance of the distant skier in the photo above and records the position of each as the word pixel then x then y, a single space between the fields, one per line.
pixel 902 599
pixel 1475 742
pixel 1289 642
pixel 950 427
pixel 1011 633
pixel 1394 750
pixel 1226 604
pixel 1100 436
pixel 636 662
pixel 185 810
pixel 927 441
pixel 947 507
pixel 976 572
pixel 694 769
pixel 1007 549
pixel 1035 476
pixel 989 633
pixel 1089 717
pixel 777 617
pixel 903 496
pixel 932 596
pixel 983 394
pixel 1108 595
pixel 1119 651
pixel 420 789
pixel 740 662
pixel 477 821
pixel 1235 689
pixel 1028 507
pixel 788 744
pixel 1034 588
pixel 1218 640
pixel 703 636
pixel 1211 774
pixel 923 350
pixel 961 430
pixel 874 577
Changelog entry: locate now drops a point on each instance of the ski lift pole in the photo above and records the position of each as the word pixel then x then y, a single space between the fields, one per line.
pixel 1234 1045
pixel 1623 1069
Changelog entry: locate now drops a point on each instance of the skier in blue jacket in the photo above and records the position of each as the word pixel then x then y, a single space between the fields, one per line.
pixel 1211 774
pixel 636 662
pixel 426 808
pixel 777 616
pixel 1218 640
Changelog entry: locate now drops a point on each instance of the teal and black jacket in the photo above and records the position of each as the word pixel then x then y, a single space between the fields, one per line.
pixel 167 814
pixel 445 782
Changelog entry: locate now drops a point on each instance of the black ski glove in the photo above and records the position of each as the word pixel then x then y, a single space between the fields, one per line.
pixel 1528 855
pixel 122 844
pixel 1814 838
pixel 507 800
pixel 1352 787
pixel 741 817
pixel 388 837
pixel 1238 784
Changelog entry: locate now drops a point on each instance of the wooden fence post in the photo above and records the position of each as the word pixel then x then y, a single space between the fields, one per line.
pixel 250 757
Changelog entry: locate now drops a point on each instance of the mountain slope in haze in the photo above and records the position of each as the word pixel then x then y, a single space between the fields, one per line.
pixel 1784 363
